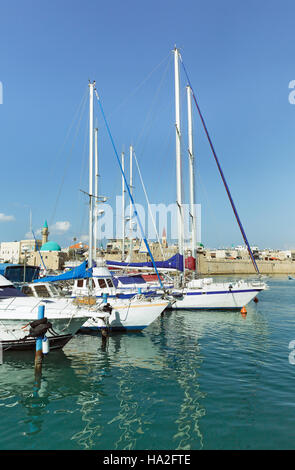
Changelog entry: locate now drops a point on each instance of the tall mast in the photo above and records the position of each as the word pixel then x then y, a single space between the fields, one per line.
pixel 178 156
pixel 123 208
pixel 131 192
pixel 191 170
pixel 95 193
pixel 90 249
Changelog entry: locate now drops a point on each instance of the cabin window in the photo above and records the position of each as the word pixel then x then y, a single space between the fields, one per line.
pixel 102 283
pixel 80 283
pixel 42 291
pixel 27 291
pixel 110 283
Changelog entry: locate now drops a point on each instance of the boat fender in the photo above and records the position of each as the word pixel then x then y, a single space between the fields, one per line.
pixel 255 300
pixel 45 345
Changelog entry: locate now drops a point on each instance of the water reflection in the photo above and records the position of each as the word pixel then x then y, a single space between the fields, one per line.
pixel 143 390
pixel 19 387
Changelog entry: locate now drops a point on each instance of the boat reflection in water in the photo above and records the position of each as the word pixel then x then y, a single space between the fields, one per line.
pixel 19 391
pixel 148 390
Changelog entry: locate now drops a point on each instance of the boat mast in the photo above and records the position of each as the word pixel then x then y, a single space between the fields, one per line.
pixel 90 249
pixel 95 193
pixel 178 156
pixel 123 207
pixel 191 171
pixel 131 192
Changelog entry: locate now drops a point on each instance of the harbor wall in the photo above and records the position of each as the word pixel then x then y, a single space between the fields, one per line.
pixel 229 267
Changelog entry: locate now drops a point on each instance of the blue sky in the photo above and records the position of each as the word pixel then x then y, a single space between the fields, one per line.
pixel 240 58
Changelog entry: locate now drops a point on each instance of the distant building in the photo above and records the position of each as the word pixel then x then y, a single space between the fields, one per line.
pixel 50 253
pixel 15 252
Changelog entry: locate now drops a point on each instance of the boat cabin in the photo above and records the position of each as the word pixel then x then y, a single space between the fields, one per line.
pixel 100 283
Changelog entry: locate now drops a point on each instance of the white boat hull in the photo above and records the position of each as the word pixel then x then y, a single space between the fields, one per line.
pixel 16 314
pixel 217 296
pixel 128 315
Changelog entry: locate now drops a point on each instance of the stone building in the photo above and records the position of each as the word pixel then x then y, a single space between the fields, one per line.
pixel 49 255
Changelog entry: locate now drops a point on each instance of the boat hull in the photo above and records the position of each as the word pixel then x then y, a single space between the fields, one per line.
pixel 127 316
pixel 214 301
pixel 216 297
pixel 55 342
pixel 16 314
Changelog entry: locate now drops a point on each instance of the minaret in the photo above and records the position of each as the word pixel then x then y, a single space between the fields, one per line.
pixel 164 239
pixel 45 233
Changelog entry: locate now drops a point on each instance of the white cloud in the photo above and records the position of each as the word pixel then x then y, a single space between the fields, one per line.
pixel 84 238
pixel 6 218
pixel 60 227
pixel 29 235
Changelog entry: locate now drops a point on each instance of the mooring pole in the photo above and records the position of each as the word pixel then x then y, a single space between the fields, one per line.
pixel 105 329
pixel 39 353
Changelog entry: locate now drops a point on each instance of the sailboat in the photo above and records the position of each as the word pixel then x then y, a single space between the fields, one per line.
pixel 108 307
pixel 198 293
pixel 204 293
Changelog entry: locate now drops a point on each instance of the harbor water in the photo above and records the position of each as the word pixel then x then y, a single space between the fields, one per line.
pixel 191 380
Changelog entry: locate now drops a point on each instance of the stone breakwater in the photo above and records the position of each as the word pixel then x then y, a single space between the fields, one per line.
pixel 206 266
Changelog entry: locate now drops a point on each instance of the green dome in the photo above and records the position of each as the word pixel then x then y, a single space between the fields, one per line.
pixel 50 246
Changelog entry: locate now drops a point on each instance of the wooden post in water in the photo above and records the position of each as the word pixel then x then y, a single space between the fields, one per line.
pixel 39 353
pixel 105 329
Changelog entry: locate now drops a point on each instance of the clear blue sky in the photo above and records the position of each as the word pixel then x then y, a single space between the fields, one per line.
pixel 240 57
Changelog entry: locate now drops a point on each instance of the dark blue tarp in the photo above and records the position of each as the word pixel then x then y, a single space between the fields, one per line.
pixel 17 272
pixel 125 280
pixel 175 262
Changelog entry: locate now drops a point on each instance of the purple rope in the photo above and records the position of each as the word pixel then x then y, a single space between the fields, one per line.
pixel 221 174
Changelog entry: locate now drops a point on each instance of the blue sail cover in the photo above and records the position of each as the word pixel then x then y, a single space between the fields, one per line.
pixel 175 262
pixel 79 272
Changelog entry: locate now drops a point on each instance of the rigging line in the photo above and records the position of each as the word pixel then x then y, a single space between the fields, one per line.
pixel 148 117
pixel 39 250
pixel 72 122
pixel 128 189
pixel 221 173
pixel 82 173
pixel 149 208
pixel 68 163
pixel 138 86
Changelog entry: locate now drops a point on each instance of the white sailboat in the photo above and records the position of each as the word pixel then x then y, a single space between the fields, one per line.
pixel 134 313
pixel 202 293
